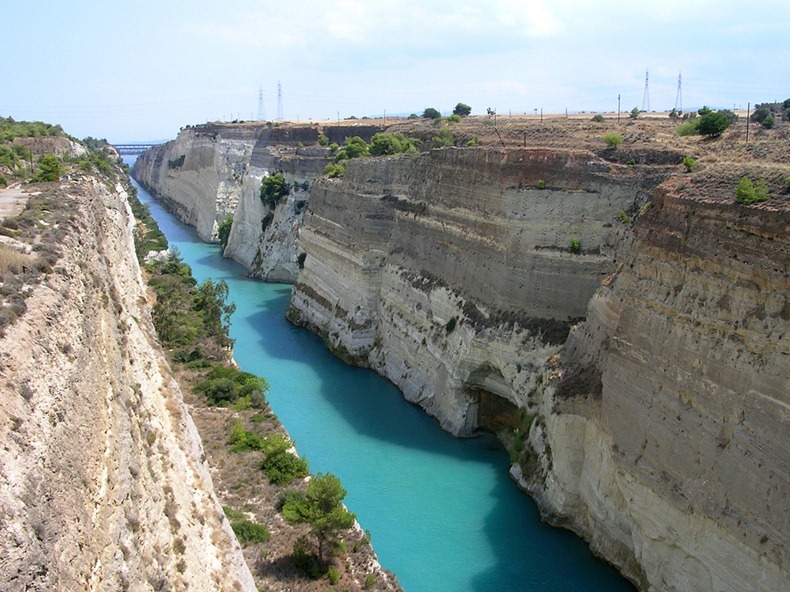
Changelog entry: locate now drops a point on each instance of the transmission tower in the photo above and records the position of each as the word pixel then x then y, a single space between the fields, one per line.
pixel 279 101
pixel 679 98
pixel 646 96
pixel 261 112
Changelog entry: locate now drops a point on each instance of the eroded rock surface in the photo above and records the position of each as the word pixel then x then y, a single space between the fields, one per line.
pixel 103 483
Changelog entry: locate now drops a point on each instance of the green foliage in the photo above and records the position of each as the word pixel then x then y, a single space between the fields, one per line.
pixel 370 581
pixel 541 184
pixel 760 115
pixel 623 218
pixel 242 439
pixel 49 169
pixel 250 533
pixel 704 111
pixel 462 110
pixel 472 142
pixel 453 119
pixel 634 113
pixel 713 124
pixel 431 113
pixel 3 181
pixel 281 465
pixel 769 122
pixel 10 129
pixel 450 326
pixel 786 115
pixel 613 140
pixel 334 169
pixel 97 160
pixel 443 138
pixel 748 193
pixel 787 181
pixel 323 140
pixel 321 508
pixel 383 143
pixel 689 163
pixel 597 118
pixel 689 127
pixel 223 385
pixel 273 188
pixel 333 575
pixel 14 156
pixel 223 232
pixel 354 147
pixel 413 116
pixel 575 245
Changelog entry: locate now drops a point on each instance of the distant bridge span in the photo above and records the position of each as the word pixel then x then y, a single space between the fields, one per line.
pixel 136 148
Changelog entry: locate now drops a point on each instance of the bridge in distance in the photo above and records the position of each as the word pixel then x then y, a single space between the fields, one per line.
pixel 134 148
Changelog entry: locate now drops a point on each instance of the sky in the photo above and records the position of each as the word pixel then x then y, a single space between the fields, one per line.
pixel 139 70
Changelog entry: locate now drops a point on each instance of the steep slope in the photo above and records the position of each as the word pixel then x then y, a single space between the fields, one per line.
pixel 666 441
pixel 103 484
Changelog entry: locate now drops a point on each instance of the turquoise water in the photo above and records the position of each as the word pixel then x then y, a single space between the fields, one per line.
pixel 443 514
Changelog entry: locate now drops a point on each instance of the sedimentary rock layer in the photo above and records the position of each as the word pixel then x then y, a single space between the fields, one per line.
pixel 103 484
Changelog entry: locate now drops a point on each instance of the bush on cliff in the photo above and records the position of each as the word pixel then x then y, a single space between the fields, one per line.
pixel 223 232
pixel 748 193
pixel 223 385
pixel 713 124
pixel 280 464
pixel 383 143
pixel 49 169
pixel 613 140
pixel 273 188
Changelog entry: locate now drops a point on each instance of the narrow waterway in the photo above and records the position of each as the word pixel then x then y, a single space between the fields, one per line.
pixel 442 512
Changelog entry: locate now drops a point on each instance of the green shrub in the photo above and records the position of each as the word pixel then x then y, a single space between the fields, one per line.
pixel 613 140
pixel 472 142
pixel 597 118
pixel 431 113
pixel 713 124
pixel 760 115
pixel 451 119
pixel 689 163
pixel 575 245
pixel 250 533
pixel 689 127
pixel 242 440
pixel 384 143
pixel 223 232
pixel 333 575
pixel 223 385
pixel 281 465
pixel 49 169
pixel 287 495
pixel 769 122
pixel 323 140
pixel 462 110
pixel 635 113
pixel 334 169
pixel 541 184
pixel 787 183
pixel 450 326
pixel 353 147
pixel 748 193
pixel 623 218
pixel 370 581
pixel 443 138
pixel 273 188
pixel 3 181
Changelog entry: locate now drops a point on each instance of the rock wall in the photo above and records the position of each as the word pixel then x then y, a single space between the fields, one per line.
pixel 451 273
pixel 215 170
pixel 658 431
pixel 668 427
pixel 103 483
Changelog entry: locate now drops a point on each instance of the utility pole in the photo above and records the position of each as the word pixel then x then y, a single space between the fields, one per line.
pixel 618 108
pixel 646 96
pixel 279 101
pixel 748 108
pixel 261 112
pixel 679 98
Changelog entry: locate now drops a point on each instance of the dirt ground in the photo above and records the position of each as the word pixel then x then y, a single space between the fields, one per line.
pixel 12 201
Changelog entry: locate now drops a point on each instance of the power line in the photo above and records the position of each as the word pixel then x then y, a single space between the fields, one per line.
pixel 646 96
pixel 261 112
pixel 279 101
pixel 679 98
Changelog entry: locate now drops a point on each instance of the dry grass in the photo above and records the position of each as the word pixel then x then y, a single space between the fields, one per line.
pixel 13 261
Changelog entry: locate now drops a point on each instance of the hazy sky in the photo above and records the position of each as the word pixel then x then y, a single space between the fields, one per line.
pixel 141 69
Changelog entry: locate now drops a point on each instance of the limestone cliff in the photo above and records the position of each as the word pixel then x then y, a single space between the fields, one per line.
pixel 451 272
pixel 659 430
pixel 623 329
pixel 103 482
pixel 214 171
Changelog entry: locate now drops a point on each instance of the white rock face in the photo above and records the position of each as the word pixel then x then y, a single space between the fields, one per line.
pixel 103 483
pixel 211 172
pixel 660 434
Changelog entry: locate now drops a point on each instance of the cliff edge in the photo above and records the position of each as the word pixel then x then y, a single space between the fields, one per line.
pixel 103 482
